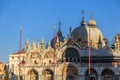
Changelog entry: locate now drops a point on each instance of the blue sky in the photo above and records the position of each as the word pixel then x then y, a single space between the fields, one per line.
pixel 37 18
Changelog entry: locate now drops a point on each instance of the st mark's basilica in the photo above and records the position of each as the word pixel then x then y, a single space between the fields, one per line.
pixel 68 58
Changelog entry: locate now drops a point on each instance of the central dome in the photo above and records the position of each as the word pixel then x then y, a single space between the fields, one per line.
pixel 81 35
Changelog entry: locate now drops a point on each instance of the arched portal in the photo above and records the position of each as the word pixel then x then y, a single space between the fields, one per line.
pixel 48 74
pixel 107 74
pixel 33 75
pixel 69 73
pixel 92 76
pixel 70 55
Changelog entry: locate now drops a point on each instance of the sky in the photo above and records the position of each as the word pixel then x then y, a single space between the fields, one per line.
pixel 38 17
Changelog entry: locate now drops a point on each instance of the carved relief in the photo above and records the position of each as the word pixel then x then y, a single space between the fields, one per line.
pixel 70 42
pixel 49 55
pixel 34 55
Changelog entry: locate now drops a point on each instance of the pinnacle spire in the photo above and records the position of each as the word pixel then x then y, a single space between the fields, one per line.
pixel 27 41
pixel 38 45
pixel 59 33
pixel 27 44
pixel 70 31
pixel 42 43
pixel 42 40
pixel 33 44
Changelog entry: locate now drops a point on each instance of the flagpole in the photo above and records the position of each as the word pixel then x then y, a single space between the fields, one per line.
pixel 89 52
pixel 54 49
pixel 20 38
pixel 20 50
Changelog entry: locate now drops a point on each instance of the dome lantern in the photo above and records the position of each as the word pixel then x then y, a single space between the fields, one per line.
pixel 92 22
pixel 83 23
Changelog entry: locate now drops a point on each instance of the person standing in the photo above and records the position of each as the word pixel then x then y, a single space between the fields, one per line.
pixel 13 76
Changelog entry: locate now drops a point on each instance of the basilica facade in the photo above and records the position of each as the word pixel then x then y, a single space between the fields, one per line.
pixel 68 58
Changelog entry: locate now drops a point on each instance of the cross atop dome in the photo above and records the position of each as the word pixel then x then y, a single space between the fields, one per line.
pixel 83 23
pixel 83 13
pixel 92 22
pixel 91 14
pixel 59 23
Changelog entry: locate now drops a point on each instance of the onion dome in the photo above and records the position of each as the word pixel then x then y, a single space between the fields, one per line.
pixel 92 22
pixel 79 34
pixel 83 23
pixel 95 34
pixel 59 36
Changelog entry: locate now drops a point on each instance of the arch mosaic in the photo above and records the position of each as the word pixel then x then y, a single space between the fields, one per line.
pixel 49 54
pixel 71 55
pixel 34 55
pixel 32 75
pixel 69 72
pixel 63 49
pixel 70 46
pixel 48 74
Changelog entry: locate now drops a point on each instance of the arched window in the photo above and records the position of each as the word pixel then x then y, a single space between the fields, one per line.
pixel 92 76
pixel 107 74
pixel 71 55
